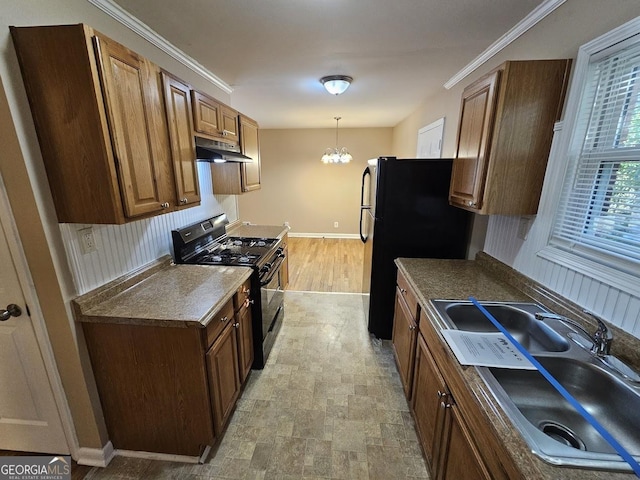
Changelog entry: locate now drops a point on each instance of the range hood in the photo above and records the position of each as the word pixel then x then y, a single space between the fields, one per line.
pixel 218 152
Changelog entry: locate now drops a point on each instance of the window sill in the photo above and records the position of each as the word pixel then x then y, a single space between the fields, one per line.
pixel 603 273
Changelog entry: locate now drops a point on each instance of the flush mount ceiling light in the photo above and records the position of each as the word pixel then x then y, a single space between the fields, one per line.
pixel 336 155
pixel 336 84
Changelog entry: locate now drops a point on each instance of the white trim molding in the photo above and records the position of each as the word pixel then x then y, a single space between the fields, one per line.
pixel 95 457
pixel 125 18
pixel 534 17
pixel 325 235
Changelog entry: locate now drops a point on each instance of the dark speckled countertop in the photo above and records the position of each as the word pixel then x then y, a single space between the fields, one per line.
pixel 488 279
pixel 163 295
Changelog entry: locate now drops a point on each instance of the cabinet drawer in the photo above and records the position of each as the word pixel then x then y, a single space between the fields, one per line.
pixel 407 294
pixel 219 321
pixel 243 296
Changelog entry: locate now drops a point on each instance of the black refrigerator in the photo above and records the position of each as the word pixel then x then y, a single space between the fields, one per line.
pixel 405 212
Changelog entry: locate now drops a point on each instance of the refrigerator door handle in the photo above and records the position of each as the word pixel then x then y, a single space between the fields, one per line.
pixel 363 207
pixel 367 172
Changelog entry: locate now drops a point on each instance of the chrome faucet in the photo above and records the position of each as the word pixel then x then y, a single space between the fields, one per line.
pixel 601 338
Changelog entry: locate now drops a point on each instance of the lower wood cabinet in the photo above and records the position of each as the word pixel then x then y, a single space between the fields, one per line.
pixel 404 341
pixel 428 388
pixel 172 389
pixel 244 326
pixel 460 457
pixel 456 439
pixel 224 376
pixel 448 446
pixel 405 324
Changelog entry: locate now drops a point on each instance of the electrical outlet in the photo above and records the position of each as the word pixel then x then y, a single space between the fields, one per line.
pixel 523 228
pixel 286 224
pixel 87 240
pixel 335 224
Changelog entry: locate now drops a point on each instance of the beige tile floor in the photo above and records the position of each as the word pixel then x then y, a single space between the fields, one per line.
pixel 328 404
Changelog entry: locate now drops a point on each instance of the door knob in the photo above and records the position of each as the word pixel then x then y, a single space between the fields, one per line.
pixel 12 310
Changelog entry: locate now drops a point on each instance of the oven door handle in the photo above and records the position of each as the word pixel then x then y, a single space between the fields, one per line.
pixel 273 267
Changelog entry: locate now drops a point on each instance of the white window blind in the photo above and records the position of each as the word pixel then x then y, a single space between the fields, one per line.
pixel 599 211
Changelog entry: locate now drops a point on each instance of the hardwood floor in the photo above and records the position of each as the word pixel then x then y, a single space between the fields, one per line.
pixel 325 265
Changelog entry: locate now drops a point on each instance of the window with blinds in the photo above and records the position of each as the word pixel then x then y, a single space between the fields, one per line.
pixel 599 211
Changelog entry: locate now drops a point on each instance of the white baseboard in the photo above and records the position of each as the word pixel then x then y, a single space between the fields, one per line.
pixel 95 457
pixel 325 235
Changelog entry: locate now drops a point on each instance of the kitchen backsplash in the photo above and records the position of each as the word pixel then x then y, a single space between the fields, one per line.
pixel 614 304
pixel 123 248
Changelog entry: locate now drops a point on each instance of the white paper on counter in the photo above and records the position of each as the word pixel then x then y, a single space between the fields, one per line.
pixel 486 350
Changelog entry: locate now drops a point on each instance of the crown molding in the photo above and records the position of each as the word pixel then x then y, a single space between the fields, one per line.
pixel 535 16
pixel 125 18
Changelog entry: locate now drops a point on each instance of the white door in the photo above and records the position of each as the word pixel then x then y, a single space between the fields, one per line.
pixel 29 418
pixel 430 140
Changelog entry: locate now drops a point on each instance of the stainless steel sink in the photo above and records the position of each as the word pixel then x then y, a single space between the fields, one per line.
pixel 610 400
pixel 518 319
pixel 553 429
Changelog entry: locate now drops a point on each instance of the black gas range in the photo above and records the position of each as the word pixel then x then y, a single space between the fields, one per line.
pixel 207 243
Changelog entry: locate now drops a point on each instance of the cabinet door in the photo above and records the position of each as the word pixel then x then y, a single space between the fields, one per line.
pixel 474 137
pixel 404 341
pixel 428 388
pixel 206 114
pixel 228 121
pixel 125 80
pixel 224 379
pixel 250 146
pixel 461 458
pixel 178 107
pixel 245 340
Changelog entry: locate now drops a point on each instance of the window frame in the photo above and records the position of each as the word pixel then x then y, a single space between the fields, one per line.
pixel 614 271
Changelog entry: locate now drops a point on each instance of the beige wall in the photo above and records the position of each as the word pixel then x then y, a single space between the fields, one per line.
pixel 298 188
pixel 22 169
pixel 558 36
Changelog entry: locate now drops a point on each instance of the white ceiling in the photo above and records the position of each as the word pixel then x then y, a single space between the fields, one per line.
pixel 273 52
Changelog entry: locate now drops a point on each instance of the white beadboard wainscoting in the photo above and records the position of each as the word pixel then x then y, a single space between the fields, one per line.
pixel 123 248
pixel 614 304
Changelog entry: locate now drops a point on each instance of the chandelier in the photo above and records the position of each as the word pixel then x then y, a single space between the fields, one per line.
pixel 336 155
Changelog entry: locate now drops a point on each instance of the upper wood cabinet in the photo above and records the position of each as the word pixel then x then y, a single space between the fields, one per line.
pixel 101 122
pixel 237 178
pixel 504 136
pixel 214 119
pixel 178 105
pixel 250 146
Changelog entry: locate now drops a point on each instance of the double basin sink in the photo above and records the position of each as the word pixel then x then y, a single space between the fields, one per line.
pixel 550 425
